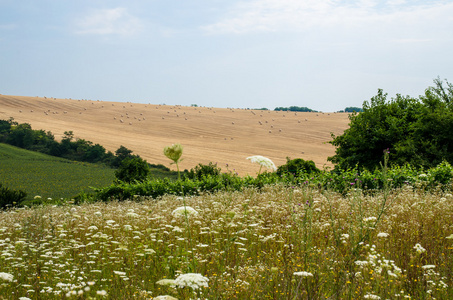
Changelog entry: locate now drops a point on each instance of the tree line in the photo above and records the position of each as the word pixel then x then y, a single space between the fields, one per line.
pixel 76 149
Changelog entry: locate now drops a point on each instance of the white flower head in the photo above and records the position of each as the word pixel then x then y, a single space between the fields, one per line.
pixel 165 297
pixel 6 276
pixel 184 211
pixel 419 248
pixel 382 234
pixel 303 274
pixel 263 162
pixel 193 280
pixel 168 282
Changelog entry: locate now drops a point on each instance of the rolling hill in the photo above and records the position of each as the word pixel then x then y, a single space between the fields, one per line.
pixel 225 136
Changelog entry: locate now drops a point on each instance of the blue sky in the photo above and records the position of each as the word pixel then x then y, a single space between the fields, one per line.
pixel 323 54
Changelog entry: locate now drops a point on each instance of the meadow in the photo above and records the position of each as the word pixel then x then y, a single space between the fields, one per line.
pixel 47 176
pixel 277 243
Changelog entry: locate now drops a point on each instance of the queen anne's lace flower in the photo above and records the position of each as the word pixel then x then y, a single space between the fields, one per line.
pixel 193 280
pixel 263 162
pixel 419 248
pixel 303 274
pixel 6 276
pixel 184 210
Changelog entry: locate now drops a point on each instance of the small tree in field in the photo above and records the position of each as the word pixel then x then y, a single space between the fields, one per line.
pixel 416 131
pixel 132 169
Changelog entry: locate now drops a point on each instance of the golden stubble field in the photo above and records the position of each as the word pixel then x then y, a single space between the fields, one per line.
pixel 220 135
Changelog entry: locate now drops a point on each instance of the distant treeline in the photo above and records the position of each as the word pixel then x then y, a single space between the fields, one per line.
pixel 352 109
pixel 23 136
pixel 295 108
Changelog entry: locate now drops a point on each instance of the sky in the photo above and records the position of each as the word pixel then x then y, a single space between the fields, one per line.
pixel 321 54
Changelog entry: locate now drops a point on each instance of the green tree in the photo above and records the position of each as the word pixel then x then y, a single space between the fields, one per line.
pixel 132 169
pixel 416 131
pixel 296 166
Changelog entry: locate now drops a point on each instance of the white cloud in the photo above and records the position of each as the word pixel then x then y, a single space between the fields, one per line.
pixel 297 15
pixel 116 21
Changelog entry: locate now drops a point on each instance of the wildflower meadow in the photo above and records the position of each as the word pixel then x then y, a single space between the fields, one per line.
pixel 279 242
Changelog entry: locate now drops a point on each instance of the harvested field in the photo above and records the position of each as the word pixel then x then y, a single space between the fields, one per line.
pixel 221 135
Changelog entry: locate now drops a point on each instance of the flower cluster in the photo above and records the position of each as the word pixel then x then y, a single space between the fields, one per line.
pixel 193 280
pixel 263 162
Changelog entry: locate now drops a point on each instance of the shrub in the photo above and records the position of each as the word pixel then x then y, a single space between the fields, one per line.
pixel 200 171
pixel 132 169
pixel 297 166
pixel 416 131
pixel 9 198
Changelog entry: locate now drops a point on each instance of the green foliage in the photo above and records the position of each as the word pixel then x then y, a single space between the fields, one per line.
pixel 23 136
pixel 48 176
pixel 200 171
pixel 345 181
pixel 10 198
pixel 295 108
pixel 351 109
pixel 416 131
pixel 296 167
pixel 132 169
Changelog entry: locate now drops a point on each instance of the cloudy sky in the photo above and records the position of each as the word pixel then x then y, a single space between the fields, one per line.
pixel 322 54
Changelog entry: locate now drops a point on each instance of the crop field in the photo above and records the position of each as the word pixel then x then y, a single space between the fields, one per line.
pixel 225 136
pixel 278 243
pixel 47 176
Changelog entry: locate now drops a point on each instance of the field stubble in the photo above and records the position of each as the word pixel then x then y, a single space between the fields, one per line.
pixel 225 136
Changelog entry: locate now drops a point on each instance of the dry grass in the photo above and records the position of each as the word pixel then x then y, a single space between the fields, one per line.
pixel 225 136
pixel 249 245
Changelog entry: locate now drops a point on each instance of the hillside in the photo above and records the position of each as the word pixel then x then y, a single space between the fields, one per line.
pixel 225 136
pixel 47 176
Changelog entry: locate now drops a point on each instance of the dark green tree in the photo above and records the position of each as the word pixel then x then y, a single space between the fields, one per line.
pixel 416 131
pixel 132 169
pixel 297 166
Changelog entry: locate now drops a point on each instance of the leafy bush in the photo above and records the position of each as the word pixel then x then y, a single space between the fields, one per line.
pixel 132 169
pixel 416 131
pixel 297 166
pixel 200 171
pixel 9 198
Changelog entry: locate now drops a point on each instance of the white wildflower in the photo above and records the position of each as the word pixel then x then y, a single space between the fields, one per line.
pixel 303 274
pixel 419 248
pixel 371 296
pixel 168 282
pixel 370 219
pixel 165 297
pixel 263 162
pixel 184 211
pixel 426 267
pixel 382 234
pixel 101 293
pixel 6 276
pixel 120 273
pixel 193 280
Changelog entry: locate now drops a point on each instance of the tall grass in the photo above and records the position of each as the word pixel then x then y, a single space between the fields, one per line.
pixel 278 243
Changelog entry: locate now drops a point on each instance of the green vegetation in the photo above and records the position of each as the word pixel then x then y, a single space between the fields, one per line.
pixel 23 136
pixel 10 198
pixel 351 109
pixel 297 166
pixel 277 243
pixel 415 131
pixel 295 108
pixel 132 169
pixel 47 176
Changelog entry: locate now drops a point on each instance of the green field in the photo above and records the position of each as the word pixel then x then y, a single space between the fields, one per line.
pixel 48 176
